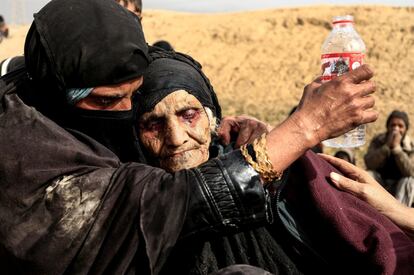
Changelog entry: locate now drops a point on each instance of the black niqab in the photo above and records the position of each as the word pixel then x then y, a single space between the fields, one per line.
pixel 83 51
pixel 78 44
pixel 67 205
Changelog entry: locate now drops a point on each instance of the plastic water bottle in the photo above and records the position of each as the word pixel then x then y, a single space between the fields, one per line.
pixel 343 51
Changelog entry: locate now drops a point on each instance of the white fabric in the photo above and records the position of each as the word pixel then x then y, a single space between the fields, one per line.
pixel 405 191
pixel 5 65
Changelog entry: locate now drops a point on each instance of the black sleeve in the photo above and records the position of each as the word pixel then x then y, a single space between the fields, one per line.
pixel 221 196
pixel 228 196
pixel 69 206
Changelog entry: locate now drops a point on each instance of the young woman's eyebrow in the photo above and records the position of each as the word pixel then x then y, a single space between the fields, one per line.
pixel 114 95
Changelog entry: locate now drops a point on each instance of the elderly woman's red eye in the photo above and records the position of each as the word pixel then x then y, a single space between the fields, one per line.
pixel 152 125
pixel 190 114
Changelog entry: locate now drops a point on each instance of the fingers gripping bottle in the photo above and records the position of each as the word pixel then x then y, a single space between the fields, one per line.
pixel 343 51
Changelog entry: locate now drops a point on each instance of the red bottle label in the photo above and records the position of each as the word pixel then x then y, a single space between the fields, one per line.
pixel 335 64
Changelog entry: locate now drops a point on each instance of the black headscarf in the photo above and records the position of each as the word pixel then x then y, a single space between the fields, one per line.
pixel 85 44
pixel 169 72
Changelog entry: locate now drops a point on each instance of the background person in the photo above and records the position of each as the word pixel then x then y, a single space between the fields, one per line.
pixel 391 158
pixel 4 29
pixel 163 44
pixel 134 6
pixel 346 154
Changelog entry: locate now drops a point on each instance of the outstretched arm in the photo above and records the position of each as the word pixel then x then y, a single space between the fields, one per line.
pixel 359 183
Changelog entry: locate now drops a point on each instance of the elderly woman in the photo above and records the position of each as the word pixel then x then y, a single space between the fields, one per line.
pixel 177 115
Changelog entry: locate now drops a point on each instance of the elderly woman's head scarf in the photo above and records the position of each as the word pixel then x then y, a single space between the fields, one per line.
pixel 169 72
pixel 76 45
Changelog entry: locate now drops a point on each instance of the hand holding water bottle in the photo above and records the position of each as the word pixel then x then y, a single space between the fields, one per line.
pixel 343 51
pixel 330 109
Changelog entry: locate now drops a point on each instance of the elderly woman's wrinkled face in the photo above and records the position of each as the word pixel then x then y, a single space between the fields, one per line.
pixel 177 132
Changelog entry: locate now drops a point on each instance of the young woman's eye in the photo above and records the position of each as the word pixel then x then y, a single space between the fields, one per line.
pixel 106 101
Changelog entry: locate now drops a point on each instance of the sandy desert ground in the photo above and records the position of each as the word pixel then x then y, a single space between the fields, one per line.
pixel 260 61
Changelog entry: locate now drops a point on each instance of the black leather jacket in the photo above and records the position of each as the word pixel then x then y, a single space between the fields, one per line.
pixel 229 195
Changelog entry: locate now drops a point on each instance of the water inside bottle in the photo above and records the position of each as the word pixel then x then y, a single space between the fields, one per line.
pixel 353 138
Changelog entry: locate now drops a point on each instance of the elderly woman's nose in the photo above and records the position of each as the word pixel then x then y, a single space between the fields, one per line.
pixel 176 134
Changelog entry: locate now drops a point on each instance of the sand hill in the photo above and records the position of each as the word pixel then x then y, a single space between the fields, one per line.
pixel 260 61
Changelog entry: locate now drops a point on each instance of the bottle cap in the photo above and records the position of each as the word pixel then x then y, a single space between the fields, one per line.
pixel 343 19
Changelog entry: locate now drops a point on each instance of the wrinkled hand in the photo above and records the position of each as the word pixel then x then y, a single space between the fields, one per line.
pixel 333 108
pixel 394 139
pixel 246 128
pixel 359 183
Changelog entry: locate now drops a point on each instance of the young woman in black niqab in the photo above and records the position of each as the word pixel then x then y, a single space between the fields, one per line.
pixel 59 60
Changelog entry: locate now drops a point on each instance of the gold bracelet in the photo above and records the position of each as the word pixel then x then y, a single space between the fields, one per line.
pixel 250 160
pixel 262 164
pixel 263 159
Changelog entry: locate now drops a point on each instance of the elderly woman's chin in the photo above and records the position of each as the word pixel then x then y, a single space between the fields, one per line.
pixel 185 160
